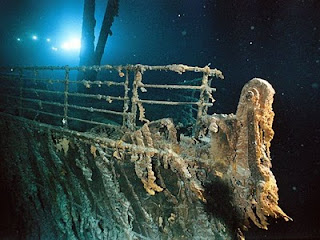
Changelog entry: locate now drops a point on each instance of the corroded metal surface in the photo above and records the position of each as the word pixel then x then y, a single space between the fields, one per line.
pixel 155 181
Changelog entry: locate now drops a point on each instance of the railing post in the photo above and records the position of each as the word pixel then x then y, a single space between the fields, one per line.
pixel 206 98
pixel 203 100
pixel 134 99
pixel 126 101
pixel 35 75
pixel 66 90
pixel 20 92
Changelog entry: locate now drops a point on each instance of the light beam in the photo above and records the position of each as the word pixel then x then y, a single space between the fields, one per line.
pixel 72 44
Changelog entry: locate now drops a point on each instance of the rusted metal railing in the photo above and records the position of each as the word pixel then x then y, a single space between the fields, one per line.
pixel 28 86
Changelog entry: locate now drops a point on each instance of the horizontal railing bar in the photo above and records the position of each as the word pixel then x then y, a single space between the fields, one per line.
pixel 91 109
pixel 171 103
pixel 169 86
pixel 35 90
pixel 38 101
pixel 88 121
pixel 69 105
pixel 98 96
pixel 13 77
pixel 34 68
pixel 42 112
pixel 104 97
pixel 71 133
pixel 33 110
pixel 164 86
pixel 81 68
pixel 9 73
pixel 9 96
pixel 48 80
pixel 98 82
pixel 179 68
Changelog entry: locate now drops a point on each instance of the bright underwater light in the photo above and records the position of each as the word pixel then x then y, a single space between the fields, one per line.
pixel 72 44
pixel 34 37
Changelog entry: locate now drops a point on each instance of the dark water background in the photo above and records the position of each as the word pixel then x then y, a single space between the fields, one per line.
pixel 275 40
